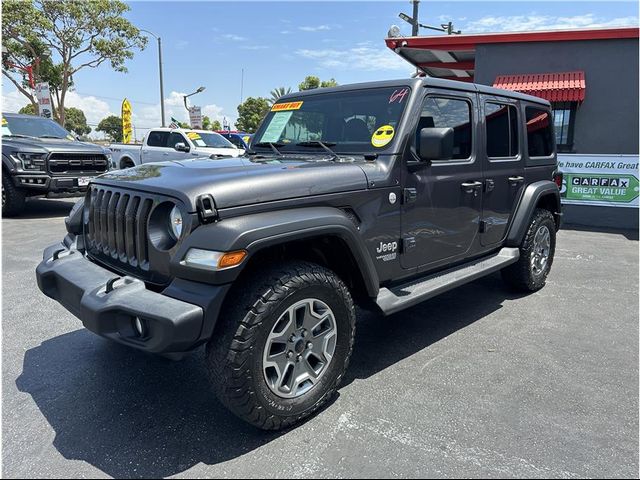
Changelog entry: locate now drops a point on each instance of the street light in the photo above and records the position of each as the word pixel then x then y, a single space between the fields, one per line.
pixel 184 97
pixel 160 70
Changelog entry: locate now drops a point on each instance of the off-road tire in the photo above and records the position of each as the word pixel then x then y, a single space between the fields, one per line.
pixel 13 198
pixel 521 276
pixel 234 355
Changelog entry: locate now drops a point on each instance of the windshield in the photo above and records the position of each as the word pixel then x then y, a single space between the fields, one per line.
pixel 354 121
pixel 209 140
pixel 33 126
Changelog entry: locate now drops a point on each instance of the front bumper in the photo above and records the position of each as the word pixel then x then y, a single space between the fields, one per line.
pixel 170 324
pixel 44 183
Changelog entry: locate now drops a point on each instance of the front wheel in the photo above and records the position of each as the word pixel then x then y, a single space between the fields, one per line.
pixel 13 198
pixel 529 273
pixel 283 345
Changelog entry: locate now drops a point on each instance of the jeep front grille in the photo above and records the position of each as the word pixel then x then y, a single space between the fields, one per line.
pixel 116 230
pixel 77 163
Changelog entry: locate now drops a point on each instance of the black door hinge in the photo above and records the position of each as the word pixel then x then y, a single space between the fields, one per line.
pixel 206 208
pixel 409 195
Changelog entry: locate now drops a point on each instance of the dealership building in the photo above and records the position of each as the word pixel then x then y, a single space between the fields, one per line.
pixel 591 79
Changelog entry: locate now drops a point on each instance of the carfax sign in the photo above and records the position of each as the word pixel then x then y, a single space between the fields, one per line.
pixel 610 180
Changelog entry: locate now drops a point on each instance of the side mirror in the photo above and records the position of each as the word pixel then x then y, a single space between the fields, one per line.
pixel 436 144
pixel 181 147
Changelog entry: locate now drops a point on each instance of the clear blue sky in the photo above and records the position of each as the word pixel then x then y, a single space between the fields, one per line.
pixel 278 43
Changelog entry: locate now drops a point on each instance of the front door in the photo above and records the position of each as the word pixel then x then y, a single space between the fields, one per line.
pixel 503 166
pixel 442 199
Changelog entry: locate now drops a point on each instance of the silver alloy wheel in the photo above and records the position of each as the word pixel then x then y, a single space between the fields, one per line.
pixel 299 348
pixel 541 250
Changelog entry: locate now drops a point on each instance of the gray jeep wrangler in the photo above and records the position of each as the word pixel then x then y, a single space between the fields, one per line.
pixel 380 195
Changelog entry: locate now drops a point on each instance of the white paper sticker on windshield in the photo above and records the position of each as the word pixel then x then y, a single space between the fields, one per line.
pixel 276 126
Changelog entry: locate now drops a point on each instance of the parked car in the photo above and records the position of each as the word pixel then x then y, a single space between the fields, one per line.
pixel 40 158
pixel 162 144
pixel 239 139
pixel 380 195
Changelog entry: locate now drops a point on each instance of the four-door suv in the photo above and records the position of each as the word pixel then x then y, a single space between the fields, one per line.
pixel 379 194
pixel 39 157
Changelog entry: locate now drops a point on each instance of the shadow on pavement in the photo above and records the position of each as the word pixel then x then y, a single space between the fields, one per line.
pixel 46 208
pixel 133 415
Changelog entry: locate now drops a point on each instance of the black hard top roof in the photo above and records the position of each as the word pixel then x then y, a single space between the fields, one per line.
pixel 423 81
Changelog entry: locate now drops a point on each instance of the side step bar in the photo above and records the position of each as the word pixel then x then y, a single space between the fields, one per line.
pixel 397 298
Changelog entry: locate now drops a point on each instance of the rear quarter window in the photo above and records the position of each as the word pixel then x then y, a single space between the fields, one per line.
pixel 539 124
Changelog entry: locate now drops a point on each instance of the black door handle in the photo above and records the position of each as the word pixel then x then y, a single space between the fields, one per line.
pixel 471 187
pixel 516 180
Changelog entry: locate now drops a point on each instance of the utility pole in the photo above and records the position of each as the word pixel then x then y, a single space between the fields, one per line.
pixel 415 25
pixel 160 72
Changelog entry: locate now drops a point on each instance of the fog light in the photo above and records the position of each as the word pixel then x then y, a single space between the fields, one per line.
pixel 138 325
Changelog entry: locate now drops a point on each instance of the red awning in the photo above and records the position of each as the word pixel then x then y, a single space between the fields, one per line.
pixel 555 87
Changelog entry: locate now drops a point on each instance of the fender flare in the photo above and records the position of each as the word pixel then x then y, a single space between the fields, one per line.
pixel 258 231
pixel 528 202
pixel 7 165
pixel 122 160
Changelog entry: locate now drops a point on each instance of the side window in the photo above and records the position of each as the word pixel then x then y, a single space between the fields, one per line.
pixel 440 112
pixel 501 129
pixel 176 138
pixel 539 133
pixel 157 139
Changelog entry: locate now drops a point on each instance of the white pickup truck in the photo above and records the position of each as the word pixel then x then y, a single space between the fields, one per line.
pixel 163 144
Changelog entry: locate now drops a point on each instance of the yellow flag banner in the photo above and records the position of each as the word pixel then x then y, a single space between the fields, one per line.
pixel 127 127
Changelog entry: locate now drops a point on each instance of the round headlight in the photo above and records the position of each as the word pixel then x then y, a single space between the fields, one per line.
pixel 175 221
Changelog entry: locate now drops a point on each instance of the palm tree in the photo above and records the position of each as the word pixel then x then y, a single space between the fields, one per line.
pixel 277 93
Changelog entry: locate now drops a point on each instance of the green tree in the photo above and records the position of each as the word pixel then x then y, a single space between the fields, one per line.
pixel 30 109
pixel 329 83
pixel 310 82
pixel 215 125
pixel 76 122
pixel 206 123
pixel 276 93
pixel 251 112
pixel 112 127
pixel 66 36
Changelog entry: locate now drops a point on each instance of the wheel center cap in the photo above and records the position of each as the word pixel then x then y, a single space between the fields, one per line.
pixel 299 346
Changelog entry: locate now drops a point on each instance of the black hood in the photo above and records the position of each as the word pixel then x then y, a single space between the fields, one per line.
pixel 49 145
pixel 241 181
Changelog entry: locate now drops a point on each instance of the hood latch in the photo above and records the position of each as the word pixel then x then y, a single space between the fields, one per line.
pixel 206 208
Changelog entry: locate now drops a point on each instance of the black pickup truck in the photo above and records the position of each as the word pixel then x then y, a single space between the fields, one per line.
pixel 380 195
pixel 40 158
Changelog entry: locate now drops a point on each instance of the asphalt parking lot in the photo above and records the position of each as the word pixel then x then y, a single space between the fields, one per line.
pixel 478 382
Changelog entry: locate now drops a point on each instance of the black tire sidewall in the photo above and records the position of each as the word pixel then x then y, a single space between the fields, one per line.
pixel 14 197
pixel 295 407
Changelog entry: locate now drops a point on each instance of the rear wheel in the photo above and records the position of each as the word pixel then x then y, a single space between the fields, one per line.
pixel 13 198
pixel 530 272
pixel 284 344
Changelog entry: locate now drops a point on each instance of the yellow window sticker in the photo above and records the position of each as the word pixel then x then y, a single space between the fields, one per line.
pixel 193 135
pixel 382 136
pixel 282 107
pixel 246 139
pixel 4 122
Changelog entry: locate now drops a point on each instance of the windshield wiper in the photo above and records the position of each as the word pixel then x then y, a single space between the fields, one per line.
pixel 325 145
pixel 272 145
pixel 50 136
pixel 17 135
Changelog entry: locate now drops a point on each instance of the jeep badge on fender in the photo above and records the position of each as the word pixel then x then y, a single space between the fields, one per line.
pixel 262 259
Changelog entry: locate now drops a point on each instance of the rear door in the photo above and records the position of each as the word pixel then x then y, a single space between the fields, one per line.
pixel 503 163
pixel 443 199
pixel 154 147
